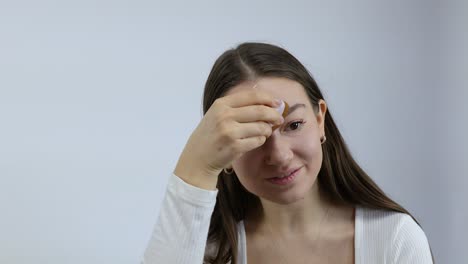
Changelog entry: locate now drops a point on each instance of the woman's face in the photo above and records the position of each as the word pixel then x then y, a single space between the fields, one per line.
pixel 292 148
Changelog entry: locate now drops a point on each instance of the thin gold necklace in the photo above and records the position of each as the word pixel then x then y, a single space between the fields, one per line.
pixel 270 229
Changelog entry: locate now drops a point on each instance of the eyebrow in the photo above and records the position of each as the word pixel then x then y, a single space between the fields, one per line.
pixel 294 107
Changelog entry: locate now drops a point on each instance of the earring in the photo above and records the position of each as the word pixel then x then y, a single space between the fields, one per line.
pixel 228 170
pixel 323 139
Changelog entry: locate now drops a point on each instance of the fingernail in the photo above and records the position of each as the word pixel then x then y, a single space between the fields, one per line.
pixel 280 107
pixel 278 102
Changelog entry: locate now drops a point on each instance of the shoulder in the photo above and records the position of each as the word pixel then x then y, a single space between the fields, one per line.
pixel 393 224
pixel 377 218
pixel 396 235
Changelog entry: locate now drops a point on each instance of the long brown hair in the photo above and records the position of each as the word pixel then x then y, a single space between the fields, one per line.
pixel 340 177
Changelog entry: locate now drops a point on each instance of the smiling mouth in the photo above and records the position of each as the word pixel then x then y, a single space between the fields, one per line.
pixel 286 175
pixel 286 179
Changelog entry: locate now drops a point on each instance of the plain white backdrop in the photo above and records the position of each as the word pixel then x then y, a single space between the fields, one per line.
pixel 97 99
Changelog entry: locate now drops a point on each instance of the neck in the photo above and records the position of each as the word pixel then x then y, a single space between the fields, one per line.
pixel 298 218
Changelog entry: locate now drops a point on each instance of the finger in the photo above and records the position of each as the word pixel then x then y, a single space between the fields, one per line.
pixel 247 144
pixel 254 97
pixel 254 129
pixel 254 113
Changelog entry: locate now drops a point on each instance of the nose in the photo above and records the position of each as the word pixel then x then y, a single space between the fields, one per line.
pixel 278 151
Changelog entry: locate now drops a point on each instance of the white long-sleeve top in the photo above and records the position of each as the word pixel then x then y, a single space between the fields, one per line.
pixel 181 231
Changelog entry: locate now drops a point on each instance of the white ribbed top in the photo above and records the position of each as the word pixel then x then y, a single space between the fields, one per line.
pixel 181 232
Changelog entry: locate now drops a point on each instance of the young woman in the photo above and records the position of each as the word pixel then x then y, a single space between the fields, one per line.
pixel 256 184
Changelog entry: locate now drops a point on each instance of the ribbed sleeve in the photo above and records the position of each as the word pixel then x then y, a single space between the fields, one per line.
pixel 410 244
pixel 181 231
pixel 389 237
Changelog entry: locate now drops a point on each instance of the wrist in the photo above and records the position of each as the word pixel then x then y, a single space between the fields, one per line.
pixel 197 177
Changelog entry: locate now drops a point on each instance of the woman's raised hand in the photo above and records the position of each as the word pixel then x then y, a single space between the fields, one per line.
pixel 232 126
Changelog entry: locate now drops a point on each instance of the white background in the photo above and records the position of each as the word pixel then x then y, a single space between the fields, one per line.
pixel 97 99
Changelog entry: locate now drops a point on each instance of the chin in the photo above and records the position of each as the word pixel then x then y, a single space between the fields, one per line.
pixel 286 199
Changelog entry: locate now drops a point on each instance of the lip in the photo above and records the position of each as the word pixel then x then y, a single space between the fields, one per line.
pixel 287 172
pixel 285 180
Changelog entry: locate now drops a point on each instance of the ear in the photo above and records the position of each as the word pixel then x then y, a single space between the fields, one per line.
pixel 322 110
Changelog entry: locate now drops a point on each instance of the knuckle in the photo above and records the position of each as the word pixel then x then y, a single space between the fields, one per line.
pixel 222 114
pixel 260 111
pixel 263 130
pixel 261 140
pixel 218 102
pixel 265 113
pixel 226 133
pixel 227 114
pixel 223 130
pixel 268 130
pixel 259 93
pixel 236 147
pixel 215 105
pixel 256 95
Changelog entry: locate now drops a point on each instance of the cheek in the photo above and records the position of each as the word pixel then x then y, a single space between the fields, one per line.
pixel 245 168
pixel 308 148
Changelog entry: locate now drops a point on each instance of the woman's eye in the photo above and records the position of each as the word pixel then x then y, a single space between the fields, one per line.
pixel 295 125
